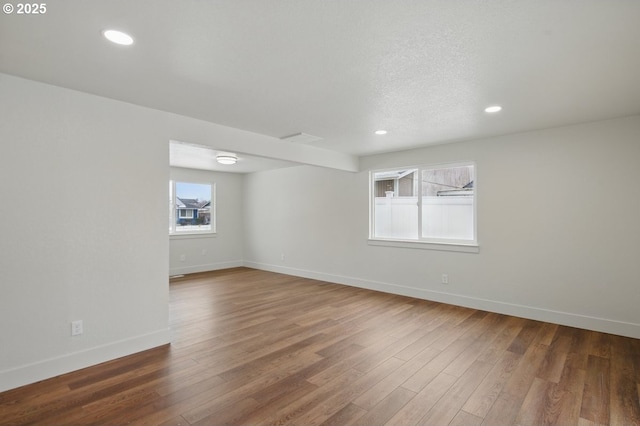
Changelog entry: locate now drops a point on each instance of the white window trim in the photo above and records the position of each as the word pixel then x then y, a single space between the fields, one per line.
pixel 414 244
pixel 173 234
pixel 466 246
pixel 192 235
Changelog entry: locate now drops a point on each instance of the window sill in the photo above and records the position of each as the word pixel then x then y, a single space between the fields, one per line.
pixel 189 236
pixel 457 247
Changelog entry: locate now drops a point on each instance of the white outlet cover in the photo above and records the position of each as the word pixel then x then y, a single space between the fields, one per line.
pixel 76 328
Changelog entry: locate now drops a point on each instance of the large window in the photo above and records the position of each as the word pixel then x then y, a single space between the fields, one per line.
pixel 191 208
pixel 425 204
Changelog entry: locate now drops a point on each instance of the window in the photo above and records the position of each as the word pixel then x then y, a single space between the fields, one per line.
pixel 185 213
pixel 191 208
pixel 432 204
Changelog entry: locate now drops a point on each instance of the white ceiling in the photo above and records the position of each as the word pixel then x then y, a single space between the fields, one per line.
pixel 423 70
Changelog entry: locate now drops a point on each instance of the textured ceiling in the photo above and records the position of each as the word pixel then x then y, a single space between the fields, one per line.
pixel 422 70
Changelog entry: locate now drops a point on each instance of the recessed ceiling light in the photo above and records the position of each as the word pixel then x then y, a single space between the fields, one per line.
pixel 493 108
pixel 381 132
pixel 118 37
pixel 226 159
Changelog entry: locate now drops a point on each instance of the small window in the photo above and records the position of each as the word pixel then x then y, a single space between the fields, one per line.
pixel 425 204
pixel 185 213
pixel 191 208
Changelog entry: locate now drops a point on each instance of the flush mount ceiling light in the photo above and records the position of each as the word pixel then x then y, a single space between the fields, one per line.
pixel 118 37
pixel 226 159
pixel 381 132
pixel 493 108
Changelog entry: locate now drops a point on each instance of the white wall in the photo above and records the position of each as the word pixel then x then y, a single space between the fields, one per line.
pixel 558 227
pixel 80 180
pixel 206 253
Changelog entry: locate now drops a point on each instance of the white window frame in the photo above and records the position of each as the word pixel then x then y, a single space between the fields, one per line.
pixel 470 246
pixel 173 232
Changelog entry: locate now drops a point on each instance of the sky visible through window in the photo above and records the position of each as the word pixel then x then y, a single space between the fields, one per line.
pixel 198 191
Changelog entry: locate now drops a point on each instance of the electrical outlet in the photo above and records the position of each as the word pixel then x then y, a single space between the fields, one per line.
pixel 204 252
pixel 183 257
pixel 282 256
pixel 77 328
pixel 445 279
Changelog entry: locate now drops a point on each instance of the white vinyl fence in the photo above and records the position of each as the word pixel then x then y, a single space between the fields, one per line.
pixel 442 217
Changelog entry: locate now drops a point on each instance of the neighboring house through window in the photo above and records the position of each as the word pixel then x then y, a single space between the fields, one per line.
pixel 191 208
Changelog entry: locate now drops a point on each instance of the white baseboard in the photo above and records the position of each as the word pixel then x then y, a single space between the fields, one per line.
pixel 205 267
pixel 41 370
pixel 540 314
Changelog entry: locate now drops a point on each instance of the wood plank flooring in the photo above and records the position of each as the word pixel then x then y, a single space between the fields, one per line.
pixel 258 348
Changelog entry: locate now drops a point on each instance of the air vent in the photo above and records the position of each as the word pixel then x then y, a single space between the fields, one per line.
pixel 301 138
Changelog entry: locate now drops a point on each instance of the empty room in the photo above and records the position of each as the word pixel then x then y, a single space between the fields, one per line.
pixel 319 212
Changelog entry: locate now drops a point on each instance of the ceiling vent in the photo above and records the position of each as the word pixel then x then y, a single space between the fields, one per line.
pixel 301 138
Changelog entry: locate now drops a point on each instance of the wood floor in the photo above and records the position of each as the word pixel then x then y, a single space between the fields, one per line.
pixel 257 348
